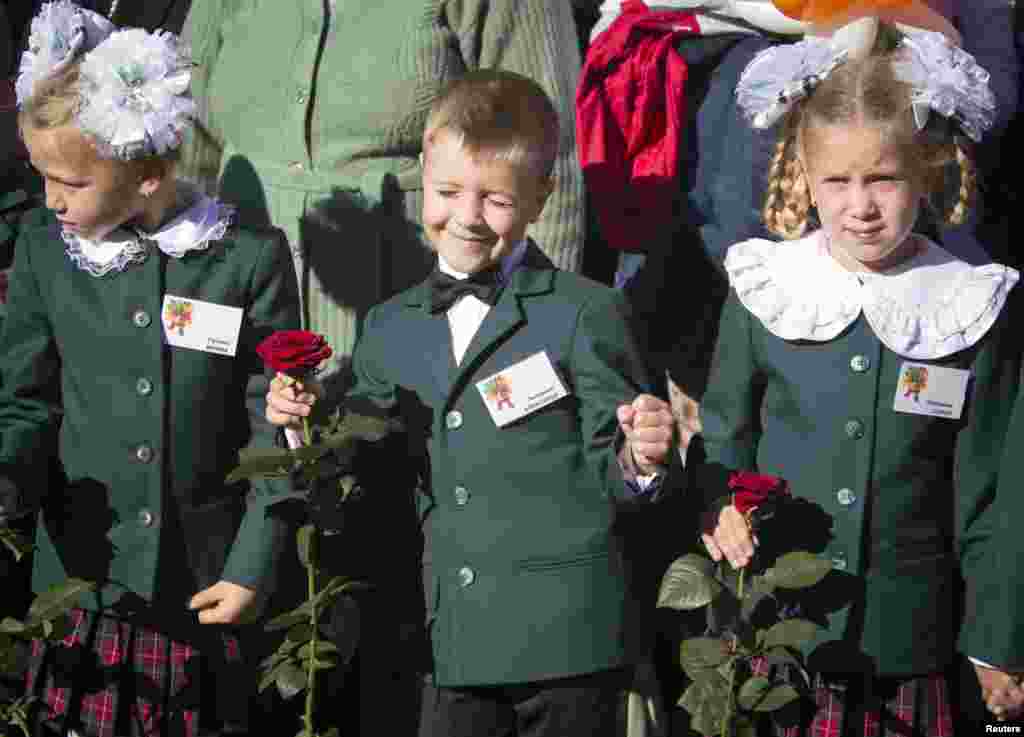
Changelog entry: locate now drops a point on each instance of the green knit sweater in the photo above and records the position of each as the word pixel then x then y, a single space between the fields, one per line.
pixel 346 92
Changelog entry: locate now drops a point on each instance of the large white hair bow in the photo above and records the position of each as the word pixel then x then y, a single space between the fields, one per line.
pixel 134 94
pixel 948 80
pixel 60 33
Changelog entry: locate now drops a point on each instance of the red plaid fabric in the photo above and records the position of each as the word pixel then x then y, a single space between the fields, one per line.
pixel 131 680
pixel 894 708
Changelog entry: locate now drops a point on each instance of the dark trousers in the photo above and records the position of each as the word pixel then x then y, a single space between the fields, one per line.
pixel 590 705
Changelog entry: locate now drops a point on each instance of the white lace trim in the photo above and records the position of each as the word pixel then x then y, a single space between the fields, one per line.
pixel 932 306
pixel 194 230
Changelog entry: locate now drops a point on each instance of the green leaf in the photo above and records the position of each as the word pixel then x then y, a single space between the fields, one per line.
pixel 302 613
pixel 782 656
pixel 323 648
pixel 708 719
pixel 752 691
pixel 709 686
pixel 700 653
pixel 59 599
pixel 12 626
pixel 790 633
pixel 289 678
pixel 688 583
pixel 291 618
pixel 14 541
pixel 262 463
pixel 777 697
pixel 300 633
pixel 304 539
pixel 798 570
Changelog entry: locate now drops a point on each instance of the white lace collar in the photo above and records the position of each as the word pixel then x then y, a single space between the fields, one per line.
pixel 932 306
pixel 205 221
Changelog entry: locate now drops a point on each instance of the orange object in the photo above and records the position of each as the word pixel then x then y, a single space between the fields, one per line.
pixel 826 15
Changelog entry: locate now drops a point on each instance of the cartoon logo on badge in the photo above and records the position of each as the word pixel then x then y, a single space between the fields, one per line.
pixel 499 391
pixel 915 381
pixel 178 315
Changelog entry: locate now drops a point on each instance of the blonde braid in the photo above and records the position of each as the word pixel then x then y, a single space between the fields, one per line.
pixel 958 214
pixel 788 200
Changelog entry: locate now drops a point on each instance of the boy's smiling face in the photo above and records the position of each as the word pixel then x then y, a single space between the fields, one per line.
pixel 476 208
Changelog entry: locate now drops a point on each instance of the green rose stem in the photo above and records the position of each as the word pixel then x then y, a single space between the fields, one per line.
pixel 732 669
pixel 314 622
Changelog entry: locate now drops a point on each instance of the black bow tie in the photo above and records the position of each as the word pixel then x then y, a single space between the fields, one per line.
pixel 446 290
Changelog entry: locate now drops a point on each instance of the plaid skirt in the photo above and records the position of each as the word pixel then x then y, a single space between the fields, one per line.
pixel 880 707
pixel 114 678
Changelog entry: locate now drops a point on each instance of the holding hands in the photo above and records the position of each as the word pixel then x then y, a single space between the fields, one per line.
pixel 649 427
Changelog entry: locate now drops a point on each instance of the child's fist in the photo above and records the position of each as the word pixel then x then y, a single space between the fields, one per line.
pixel 649 427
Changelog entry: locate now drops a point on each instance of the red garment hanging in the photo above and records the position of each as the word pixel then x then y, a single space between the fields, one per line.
pixel 630 107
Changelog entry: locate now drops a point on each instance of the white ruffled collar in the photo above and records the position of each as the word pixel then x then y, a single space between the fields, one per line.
pixel 203 222
pixel 932 306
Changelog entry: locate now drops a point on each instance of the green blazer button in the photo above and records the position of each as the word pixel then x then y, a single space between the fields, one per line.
pixel 466 576
pixel 453 420
pixel 146 518
pixel 855 429
pixel 860 364
pixel 144 387
pixel 461 496
pixel 144 454
pixel 141 319
pixel 846 497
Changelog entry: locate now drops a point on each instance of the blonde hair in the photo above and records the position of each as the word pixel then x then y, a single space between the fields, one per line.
pixel 866 92
pixel 504 115
pixel 54 103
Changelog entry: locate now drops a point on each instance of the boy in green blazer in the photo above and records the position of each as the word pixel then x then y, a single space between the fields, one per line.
pixel 514 380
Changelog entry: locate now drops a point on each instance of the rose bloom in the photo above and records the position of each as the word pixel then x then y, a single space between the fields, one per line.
pixel 751 490
pixel 294 352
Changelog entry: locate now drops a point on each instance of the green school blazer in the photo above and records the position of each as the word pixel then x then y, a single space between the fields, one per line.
pixel 521 569
pixel 901 504
pixel 145 433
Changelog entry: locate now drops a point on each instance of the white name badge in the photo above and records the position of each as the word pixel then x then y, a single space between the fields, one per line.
pixel 937 391
pixel 201 326
pixel 521 389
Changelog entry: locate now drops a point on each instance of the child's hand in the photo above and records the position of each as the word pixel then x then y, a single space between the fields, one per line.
pixel 728 537
pixel 648 425
pixel 1001 691
pixel 289 400
pixel 224 603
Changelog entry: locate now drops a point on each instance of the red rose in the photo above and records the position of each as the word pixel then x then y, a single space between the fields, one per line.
pixel 294 352
pixel 750 490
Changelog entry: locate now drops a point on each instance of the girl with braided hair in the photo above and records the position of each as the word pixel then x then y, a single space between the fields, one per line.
pixel 815 338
